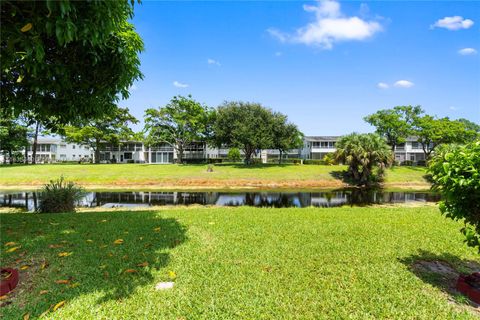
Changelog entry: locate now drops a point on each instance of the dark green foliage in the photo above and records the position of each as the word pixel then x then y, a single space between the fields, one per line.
pixel 395 124
pixel 234 154
pixel 455 172
pixel 67 59
pixel 363 153
pixel 111 127
pixel 314 162
pixel 181 122
pixel 59 196
pixel 13 137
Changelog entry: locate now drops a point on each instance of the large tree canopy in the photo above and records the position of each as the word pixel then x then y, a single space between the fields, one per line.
pixel 248 126
pixel 394 124
pixel 178 124
pixel 13 137
pixel 286 135
pixel 112 128
pixel 432 132
pixel 67 59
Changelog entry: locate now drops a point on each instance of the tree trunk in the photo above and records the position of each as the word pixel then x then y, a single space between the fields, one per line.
pixel 4 157
pixel 248 155
pixel 97 151
pixel 35 141
pixel 280 160
pixel 180 154
pixel 10 156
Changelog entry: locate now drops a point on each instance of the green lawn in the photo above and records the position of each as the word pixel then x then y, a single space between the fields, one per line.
pixel 224 175
pixel 248 263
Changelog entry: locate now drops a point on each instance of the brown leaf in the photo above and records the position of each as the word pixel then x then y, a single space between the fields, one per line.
pixel 9 244
pixel 42 292
pixel 55 246
pixel 131 271
pixel 26 27
pixel 4 297
pixel 58 305
pixel 62 281
pixel 143 264
pixel 26 316
pixel 44 265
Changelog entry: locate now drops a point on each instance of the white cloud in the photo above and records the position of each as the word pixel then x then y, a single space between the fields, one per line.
pixel 453 23
pixel 179 84
pixel 213 62
pixel 278 54
pixel 382 85
pixel 330 26
pixel 467 51
pixel 403 84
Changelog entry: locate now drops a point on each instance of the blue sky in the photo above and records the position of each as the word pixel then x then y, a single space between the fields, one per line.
pixel 324 64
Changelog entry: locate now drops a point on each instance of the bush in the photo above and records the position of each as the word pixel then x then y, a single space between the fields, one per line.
pixel 285 160
pixel 59 196
pixel 329 159
pixel 408 163
pixel 215 160
pixel 422 163
pixel 455 172
pixel 234 155
pixel 314 161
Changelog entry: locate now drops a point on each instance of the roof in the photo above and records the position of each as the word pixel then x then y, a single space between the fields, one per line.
pixel 322 138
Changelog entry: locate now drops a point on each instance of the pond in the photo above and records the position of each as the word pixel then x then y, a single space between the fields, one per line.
pixel 270 198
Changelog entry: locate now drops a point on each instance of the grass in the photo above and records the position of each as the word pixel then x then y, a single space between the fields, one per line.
pixel 249 263
pixel 196 176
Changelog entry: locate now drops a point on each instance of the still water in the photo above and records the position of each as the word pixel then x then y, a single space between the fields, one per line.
pixel 275 199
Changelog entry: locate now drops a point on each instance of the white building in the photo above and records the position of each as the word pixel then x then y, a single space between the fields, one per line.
pixel 56 149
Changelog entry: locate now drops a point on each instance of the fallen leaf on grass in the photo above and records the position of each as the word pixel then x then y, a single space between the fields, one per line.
pixel 157 229
pixel 12 249
pixel 3 297
pixel 59 305
pixel 44 265
pixel 9 244
pixel 62 281
pixel 118 241
pixel 27 27
pixel 172 275
pixel 26 316
pixel 104 220
pixel 89 240
pixel 131 271
pixel 25 267
pixel 65 254
pixel 54 223
pixel 55 246
pixel 42 292
pixel 44 313
pixel 74 285
pixel 143 264
pixel 164 285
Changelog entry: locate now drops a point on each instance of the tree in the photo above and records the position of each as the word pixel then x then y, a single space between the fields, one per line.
pixel 286 135
pixel 111 128
pixel 394 124
pixel 67 59
pixel 234 154
pixel 362 153
pixel 248 126
pixel 455 171
pixel 13 137
pixel 178 124
pixel 472 127
pixel 432 132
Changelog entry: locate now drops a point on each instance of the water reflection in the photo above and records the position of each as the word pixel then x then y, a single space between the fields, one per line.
pixel 29 200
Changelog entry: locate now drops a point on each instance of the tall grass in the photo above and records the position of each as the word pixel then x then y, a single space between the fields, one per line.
pixel 59 196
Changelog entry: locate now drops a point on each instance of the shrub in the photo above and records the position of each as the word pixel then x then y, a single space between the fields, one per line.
pixel 314 161
pixel 407 163
pixel 422 163
pixel 59 196
pixel 215 160
pixel 455 172
pixel 329 159
pixel 234 155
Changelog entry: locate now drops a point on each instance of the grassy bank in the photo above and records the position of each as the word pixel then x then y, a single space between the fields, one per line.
pixel 126 176
pixel 234 263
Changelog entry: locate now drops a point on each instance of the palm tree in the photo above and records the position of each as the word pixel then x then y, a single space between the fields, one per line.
pixel 362 153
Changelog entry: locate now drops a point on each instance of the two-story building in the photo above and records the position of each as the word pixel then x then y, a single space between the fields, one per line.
pixel 56 149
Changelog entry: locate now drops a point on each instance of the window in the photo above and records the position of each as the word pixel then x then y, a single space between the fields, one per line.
pixel 63 146
pixel 73 156
pixel 415 145
pixel 127 156
pixel 412 157
pixel 73 146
